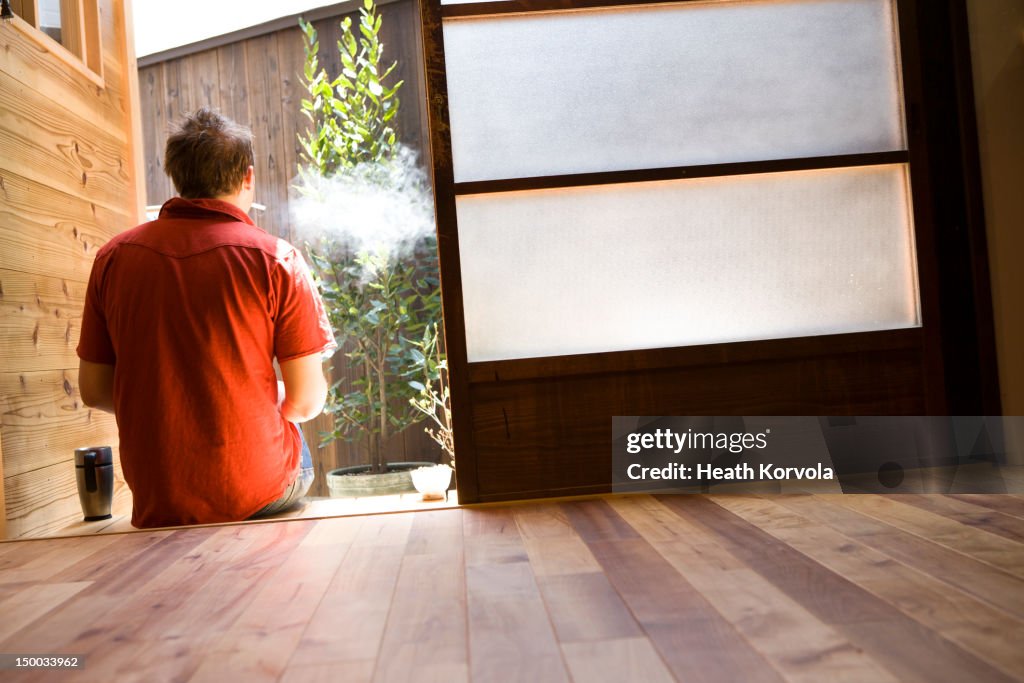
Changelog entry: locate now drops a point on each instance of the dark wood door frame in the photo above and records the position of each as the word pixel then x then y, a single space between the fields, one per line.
pixel 540 426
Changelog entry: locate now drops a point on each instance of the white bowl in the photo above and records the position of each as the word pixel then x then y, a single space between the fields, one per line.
pixel 432 482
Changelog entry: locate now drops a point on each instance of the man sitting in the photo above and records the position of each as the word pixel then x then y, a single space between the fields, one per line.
pixel 183 319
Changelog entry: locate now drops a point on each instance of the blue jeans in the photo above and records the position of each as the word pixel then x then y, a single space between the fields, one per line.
pixel 297 489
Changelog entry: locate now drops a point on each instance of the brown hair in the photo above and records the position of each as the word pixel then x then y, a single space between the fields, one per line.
pixel 208 154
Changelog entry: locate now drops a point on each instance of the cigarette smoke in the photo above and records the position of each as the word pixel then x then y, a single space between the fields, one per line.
pixel 383 208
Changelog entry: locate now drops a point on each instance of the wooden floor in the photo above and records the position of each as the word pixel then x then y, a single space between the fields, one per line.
pixel 687 588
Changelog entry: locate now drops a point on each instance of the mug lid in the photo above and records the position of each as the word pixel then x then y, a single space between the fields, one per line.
pixel 103 455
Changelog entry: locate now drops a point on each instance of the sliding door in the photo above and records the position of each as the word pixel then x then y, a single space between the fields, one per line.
pixel 674 208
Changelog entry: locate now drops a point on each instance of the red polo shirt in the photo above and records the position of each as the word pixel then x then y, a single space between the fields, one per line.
pixel 191 309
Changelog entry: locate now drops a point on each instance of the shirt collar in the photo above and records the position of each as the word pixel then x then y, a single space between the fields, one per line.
pixel 178 207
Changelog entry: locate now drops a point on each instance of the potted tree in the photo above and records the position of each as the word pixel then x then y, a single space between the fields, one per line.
pixel 374 256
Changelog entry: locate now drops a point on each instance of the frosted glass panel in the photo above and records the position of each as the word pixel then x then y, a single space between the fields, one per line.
pixel 648 265
pixel 649 87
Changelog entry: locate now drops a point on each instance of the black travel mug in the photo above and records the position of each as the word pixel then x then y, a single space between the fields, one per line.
pixel 95 469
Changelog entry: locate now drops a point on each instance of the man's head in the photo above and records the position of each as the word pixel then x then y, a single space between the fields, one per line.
pixel 209 156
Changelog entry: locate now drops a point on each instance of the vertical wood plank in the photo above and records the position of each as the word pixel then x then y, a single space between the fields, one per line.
pixel 998 588
pixel 917 653
pixel 623 659
pixel 977 627
pixel 155 125
pixel 233 72
pixel 265 103
pixel 425 635
pixel 693 639
pixel 260 643
pixel 347 626
pixel 205 74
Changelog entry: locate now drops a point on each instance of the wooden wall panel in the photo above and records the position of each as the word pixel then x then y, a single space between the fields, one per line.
pixel 44 501
pixel 43 420
pixel 259 84
pixel 45 231
pixel 41 321
pixel 68 183
pixel 272 174
pixel 39 141
pixel 553 437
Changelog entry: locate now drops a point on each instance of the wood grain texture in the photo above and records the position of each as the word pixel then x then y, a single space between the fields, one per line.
pixel 534 438
pixel 44 420
pixel 870 623
pixel 701 588
pixel 68 183
pixel 38 141
pixel 47 232
pixel 800 646
pixel 978 628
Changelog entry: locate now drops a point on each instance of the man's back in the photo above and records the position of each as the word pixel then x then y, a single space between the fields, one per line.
pixel 191 309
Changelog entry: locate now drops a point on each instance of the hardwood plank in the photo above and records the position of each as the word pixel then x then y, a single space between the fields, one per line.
pixel 918 653
pixel 996 587
pixel 356 671
pixel 585 607
pixel 33 603
pixel 436 533
pixel 424 638
pixel 799 645
pixel 977 627
pixel 595 520
pixel 983 545
pixel 1010 505
pixel 70 154
pixel 543 520
pixel 260 643
pixel 47 232
pixel 492 537
pixel 510 636
pixel 255 556
pixel 689 634
pixel 41 566
pixel 104 566
pixel 622 659
pixel 349 622
pixel 113 586
pixel 184 607
pixel 969 514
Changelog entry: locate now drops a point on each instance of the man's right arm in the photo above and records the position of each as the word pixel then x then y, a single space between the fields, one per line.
pixel 305 388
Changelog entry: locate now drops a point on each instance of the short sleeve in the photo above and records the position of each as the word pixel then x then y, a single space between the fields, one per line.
pixel 94 343
pixel 301 327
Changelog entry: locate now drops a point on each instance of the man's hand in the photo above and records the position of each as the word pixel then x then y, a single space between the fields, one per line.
pixel 96 385
pixel 305 388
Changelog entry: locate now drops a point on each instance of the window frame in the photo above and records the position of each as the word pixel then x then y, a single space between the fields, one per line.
pixel 84 51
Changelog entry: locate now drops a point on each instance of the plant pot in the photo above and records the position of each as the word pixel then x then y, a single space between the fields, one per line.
pixel 356 482
pixel 432 481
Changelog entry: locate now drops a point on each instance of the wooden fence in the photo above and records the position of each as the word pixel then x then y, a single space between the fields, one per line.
pixel 257 81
